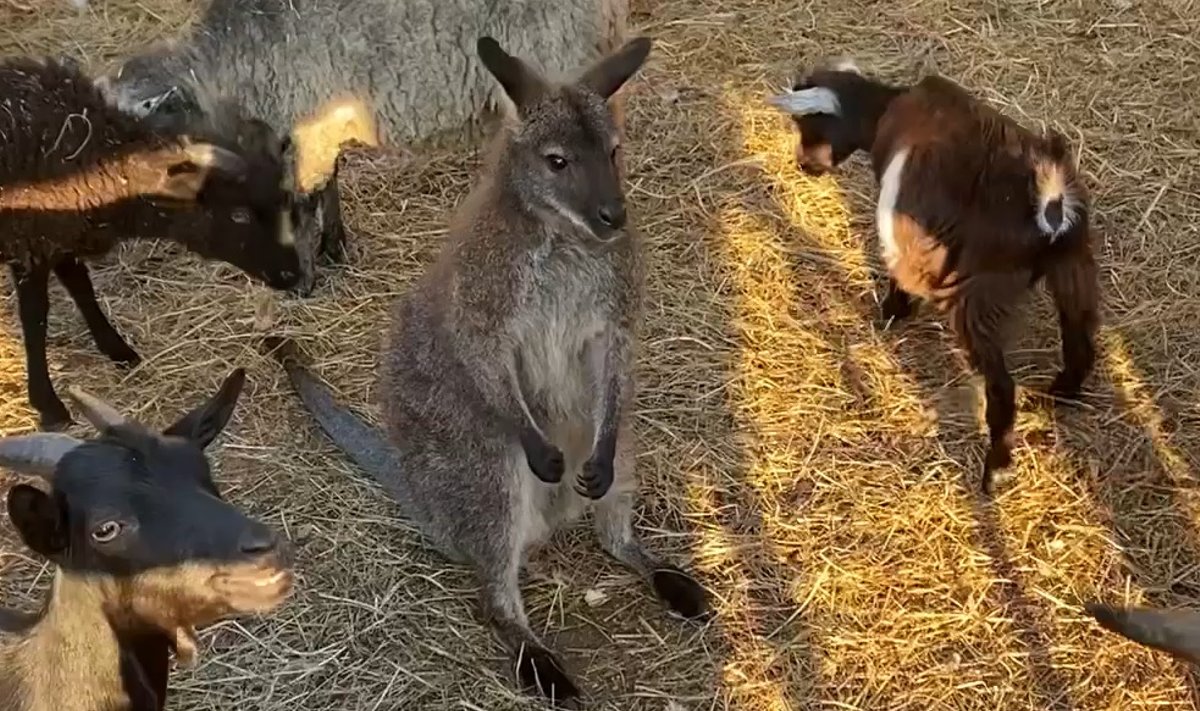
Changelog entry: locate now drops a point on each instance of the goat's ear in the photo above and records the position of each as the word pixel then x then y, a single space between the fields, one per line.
pixel 185 174
pixel 609 74
pixel 803 102
pixel 39 518
pixel 522 84
pixel 203 424
pixel 1057 145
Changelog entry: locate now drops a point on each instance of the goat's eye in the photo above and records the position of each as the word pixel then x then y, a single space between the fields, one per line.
pixel 107 531
pixel 556 162
pixel 613 155
pixel 241 216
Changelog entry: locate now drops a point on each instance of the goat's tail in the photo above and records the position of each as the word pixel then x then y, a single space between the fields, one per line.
pixel 365 445
pixel 1176 632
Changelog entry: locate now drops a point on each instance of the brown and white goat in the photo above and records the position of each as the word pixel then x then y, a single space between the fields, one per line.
pixel 973 210
pixel 146 551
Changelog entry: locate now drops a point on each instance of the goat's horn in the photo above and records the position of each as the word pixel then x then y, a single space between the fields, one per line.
pixel 209 156
pixel 99 413
pixel 814 100
pixel 36 453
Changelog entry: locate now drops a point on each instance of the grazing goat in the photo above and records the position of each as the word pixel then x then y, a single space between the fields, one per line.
pixel 78 175
pixel 510 362
pixel 973 210
pixel 1176 632
pixel 373 71
pixel 146 551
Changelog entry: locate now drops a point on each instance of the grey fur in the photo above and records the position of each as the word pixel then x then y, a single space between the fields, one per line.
pixel 412 60
pixel 1176 632
pixel 514 352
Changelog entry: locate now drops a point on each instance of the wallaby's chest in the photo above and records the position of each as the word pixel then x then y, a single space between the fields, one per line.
pixel 570 310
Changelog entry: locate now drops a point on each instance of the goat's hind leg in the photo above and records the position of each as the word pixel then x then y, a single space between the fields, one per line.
pixel 978 320
pixel 1073 284
pixel 681 593
pixel 75 278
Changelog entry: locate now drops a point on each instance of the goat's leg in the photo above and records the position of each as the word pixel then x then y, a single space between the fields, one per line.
pixel 897 304
pixel 537 667
pixel 1073 285
pixel 333 231
pixel 33 304
pixel 977 323
pixel 681 593
pixel 73 275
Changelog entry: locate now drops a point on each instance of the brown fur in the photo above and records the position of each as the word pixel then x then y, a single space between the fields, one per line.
pixel 967 239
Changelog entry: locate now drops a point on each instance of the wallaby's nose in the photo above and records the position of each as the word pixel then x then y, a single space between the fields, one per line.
pixel 257 540
pixel 613 215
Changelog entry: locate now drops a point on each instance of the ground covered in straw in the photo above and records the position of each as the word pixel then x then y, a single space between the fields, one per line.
pixel 820 472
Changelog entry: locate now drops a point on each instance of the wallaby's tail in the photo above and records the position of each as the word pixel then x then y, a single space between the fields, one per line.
pixel 365 445
pixel 1176 632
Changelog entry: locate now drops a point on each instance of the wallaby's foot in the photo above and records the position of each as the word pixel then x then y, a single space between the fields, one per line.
pixel 539 669
pixel 544 459
pixel 681 592
pixel 596 478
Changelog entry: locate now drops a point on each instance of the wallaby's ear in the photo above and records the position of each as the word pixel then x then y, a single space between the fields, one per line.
pixel 522 84
pixel 204 423
pixel 40 520
pixel 609 74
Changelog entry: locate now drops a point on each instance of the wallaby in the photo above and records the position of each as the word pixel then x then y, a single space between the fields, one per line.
pixel 1176 632
pixel 510 361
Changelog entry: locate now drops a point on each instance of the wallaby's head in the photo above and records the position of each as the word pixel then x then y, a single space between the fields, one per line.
pixel 135 514
pixel 561 155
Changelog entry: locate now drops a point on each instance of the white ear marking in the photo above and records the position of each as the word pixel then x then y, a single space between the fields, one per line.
pixel 815 100
pixel 845 64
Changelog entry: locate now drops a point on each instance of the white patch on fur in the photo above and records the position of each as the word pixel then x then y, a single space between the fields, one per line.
pixel 1054 187
pixel 573 217
pixel 846 65
pixel 885 210
pixel 287 231
pixel 816 100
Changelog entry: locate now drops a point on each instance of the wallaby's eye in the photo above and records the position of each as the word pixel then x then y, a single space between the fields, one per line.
pixel 107 531
pixel 556 162
pixel 241 215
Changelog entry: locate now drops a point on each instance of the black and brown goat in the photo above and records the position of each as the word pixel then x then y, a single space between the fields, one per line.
pixel 146 551
pixel 973 210
pixel 77 176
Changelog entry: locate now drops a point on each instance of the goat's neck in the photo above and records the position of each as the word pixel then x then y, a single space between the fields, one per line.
pixel 95 187
pixel 875 99
pixel 73 659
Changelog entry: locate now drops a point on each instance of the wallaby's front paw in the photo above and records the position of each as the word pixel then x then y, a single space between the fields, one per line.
pixel 596 478
pixel 681 593
pixel 539 669
pixel 544 459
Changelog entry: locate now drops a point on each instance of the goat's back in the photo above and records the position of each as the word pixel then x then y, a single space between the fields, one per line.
pixel 54 121
pixel 410 59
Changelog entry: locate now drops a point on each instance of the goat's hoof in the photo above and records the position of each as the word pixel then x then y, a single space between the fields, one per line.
pixel 124 356
pixel 681 593
pixel 596 478
pixel 1065 387
pixel 539 669
pixel 999 459
pixel 54 418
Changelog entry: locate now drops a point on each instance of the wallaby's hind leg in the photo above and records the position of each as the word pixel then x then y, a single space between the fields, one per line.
pixel 614 525
pixel 537 667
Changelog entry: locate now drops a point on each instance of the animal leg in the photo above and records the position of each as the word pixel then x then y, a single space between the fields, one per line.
pixel 1073 286
pixel 33 303
pixel 897 304
pixel 333 232
pixel 537 667
pixel 681 593
pixel 73 275
pixel 977 321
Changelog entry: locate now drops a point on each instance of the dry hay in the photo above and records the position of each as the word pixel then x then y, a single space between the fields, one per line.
pixel 820 472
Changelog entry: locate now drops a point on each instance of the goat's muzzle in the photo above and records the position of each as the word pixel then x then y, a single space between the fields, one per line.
pixel 255 588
